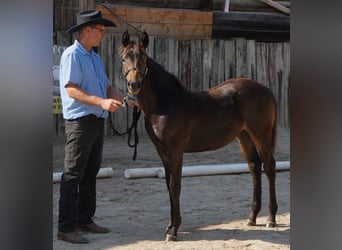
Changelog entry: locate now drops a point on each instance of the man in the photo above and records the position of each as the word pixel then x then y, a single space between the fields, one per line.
pixel 87 97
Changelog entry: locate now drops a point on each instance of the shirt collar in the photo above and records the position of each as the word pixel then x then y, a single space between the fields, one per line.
pixel 80 47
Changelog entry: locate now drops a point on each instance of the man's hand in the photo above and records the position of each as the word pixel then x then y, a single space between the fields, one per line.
pixel 110 105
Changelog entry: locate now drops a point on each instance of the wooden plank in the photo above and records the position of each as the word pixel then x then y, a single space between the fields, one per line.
pixel 173 23
pixel 169 16
pixel 218 62
pixel 161 45
pixel 184 72
pixel 250 59
pixel 251 17
pixel 153 15
pixel 285 59
pixel 229 59
pixel 241 5
pixel 173 57
pixel 277 6
pixel 196 65
pixel 179 31
pixel 185 4
pixel 240 57
pixel 257 26
pixel 207 46
pixel 261 63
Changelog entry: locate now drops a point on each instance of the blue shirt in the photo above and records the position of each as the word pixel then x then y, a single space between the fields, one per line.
pixel 86 70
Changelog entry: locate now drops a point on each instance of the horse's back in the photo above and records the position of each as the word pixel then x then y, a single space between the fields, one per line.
pixel 255 102
pixel 241 87
pixel 246 93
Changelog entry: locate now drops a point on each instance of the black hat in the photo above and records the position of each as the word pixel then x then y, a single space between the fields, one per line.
pixel 88 17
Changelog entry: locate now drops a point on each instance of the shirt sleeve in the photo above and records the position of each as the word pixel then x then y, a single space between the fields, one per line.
pixel 71 69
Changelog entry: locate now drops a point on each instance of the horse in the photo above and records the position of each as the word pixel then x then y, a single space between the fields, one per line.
pixel 180 121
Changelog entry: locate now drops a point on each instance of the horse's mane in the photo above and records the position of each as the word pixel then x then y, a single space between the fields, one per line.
pixel 171 77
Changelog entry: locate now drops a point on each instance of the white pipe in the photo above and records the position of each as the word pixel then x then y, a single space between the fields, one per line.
pixel 226 6
pixel 103 173
pixel 236 168
pixel 134 173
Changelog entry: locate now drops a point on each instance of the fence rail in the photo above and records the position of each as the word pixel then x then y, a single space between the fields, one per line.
pixel 202 64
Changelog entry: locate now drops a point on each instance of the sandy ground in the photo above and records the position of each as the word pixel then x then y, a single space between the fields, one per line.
pixel 214 208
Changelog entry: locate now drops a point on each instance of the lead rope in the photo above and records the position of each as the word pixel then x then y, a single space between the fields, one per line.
pixel 132 128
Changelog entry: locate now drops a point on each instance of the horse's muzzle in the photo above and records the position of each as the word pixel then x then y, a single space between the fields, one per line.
pixel 133 87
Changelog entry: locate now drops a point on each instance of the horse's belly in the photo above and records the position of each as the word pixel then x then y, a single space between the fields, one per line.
pixel 210 140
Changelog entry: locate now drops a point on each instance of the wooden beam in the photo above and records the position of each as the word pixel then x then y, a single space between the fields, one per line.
pixel 179 31
pixel 277 6
pixel 157 15
pixel 218 5
pixel 183 24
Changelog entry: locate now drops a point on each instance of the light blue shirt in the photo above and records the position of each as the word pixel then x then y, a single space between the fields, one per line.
pixel 86 70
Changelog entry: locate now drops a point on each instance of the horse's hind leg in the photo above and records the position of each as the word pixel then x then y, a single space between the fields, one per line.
pixel 264 143
pixel 266 156
pixel 250 153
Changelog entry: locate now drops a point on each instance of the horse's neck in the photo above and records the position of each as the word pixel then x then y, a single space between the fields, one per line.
pixel 158 87
pixel 162 80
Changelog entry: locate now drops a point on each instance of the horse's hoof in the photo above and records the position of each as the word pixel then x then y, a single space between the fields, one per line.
pixel 270 224
pixel 170 237
pixel 251 222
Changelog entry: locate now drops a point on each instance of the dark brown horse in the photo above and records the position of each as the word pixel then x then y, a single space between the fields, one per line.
pixel 180 121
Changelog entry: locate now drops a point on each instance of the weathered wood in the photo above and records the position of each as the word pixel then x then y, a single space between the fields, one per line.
pixel 184 57
pixel 159 22
pixel 277 6
pixel 218 62
pixel 207 51
pixel 229 59
pixel 173 57
pixel 261 63
pixel 250 59
pixel 240 57
pixel 235 5
pixel 251 25
pixel 196 65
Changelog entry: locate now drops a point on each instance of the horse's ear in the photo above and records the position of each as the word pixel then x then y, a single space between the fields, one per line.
pixel 125 38
pixel 144 40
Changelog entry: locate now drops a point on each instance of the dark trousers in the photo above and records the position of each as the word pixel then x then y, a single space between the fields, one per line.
pixel 83 156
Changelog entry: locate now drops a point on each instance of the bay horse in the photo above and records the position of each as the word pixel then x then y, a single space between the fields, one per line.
pixel 179 121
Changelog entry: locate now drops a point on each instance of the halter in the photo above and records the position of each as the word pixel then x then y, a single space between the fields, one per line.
pixel 135 68
pixel 138 70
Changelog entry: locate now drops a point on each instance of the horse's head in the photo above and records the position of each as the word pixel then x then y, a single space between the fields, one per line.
pixel 134 61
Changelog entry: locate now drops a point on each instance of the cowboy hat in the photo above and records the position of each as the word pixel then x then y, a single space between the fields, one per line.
pixel 88 17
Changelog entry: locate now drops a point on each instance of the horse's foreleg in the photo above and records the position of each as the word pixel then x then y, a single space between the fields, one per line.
pixel 175 220
pixel 173 174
